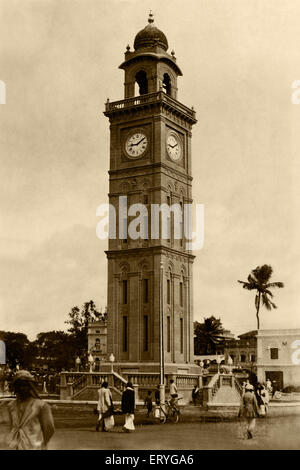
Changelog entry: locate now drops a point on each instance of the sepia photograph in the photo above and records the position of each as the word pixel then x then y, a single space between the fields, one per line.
pixel 149 223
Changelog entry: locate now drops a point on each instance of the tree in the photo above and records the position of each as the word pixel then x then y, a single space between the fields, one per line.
pixel 258 280
pixel 17 349
pixel 208 335
pixel 78 321
pixel 54 349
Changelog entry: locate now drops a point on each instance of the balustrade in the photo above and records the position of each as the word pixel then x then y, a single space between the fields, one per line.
pixel 148 99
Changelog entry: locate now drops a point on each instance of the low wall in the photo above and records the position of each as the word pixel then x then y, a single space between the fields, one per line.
pixel 275 409
pixel 194 413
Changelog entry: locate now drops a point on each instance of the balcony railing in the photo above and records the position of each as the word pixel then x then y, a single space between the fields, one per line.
pixel 150 98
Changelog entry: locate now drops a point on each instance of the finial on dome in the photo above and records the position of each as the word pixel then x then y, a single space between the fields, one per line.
pixel 127 48
pixel 150 19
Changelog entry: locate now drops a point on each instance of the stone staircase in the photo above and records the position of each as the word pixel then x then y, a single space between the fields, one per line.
pixel 222 391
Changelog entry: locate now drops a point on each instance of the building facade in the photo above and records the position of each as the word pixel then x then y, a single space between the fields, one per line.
pixel 243 351
pixel 278 357
pixel 97 341
pixel 150 163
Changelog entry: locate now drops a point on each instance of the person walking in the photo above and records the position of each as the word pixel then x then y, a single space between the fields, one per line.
pixel 30 418
pixel 269 387
pixel 173 393
pixel 157 395
pixel 249 409
pixel 148 403
pixel 195 394
pixel 128 404
pixel 105 408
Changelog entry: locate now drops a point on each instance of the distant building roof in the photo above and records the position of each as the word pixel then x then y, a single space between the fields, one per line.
pixel 249 334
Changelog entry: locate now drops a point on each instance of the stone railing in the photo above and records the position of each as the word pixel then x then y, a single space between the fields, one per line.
pixel 150 98
pixel 216 382
pixel 186 381
pixel 145 379
pixel 73 383
pixel 211 389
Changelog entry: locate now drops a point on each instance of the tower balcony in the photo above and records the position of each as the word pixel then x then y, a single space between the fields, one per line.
pixel 148 100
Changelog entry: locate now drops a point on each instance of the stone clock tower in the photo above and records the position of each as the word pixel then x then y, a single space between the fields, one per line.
pixel 150 163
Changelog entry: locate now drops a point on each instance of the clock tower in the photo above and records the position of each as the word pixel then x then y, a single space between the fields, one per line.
pixel 150 277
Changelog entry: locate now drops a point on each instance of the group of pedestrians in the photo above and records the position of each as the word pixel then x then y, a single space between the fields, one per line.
pixel 106 409
pixel 32 426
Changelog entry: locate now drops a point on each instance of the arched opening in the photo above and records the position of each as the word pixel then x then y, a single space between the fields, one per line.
pixel 141 80
pixel 167 84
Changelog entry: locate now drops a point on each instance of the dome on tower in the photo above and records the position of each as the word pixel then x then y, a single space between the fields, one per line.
pixel 150 36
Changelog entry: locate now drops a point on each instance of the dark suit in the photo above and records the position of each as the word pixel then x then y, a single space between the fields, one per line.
pixel 128 401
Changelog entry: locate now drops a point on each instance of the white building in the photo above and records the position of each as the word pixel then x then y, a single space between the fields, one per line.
pixel 278 357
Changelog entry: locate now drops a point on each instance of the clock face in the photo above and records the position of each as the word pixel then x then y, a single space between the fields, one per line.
pixel 136 145
pixel 174 147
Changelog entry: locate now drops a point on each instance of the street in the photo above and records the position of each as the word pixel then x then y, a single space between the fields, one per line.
pixel 75 430
pixel 272 433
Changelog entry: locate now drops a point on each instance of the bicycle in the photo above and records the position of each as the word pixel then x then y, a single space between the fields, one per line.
pixel 171 412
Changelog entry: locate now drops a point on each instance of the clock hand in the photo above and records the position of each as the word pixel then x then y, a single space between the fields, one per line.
pixel 140 141
pixel 172 146
pixel 134 145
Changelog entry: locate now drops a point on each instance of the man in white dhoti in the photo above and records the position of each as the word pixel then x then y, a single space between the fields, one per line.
pixel 105 408
pixel 128 404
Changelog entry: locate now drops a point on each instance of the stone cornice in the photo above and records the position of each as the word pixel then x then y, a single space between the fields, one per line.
pixel 132 171
pixel 158 100
pixel 153 250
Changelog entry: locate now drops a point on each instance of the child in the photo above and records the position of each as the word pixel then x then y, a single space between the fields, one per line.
pixel 148 403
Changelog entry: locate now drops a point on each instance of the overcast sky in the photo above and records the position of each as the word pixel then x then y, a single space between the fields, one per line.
pixel 59 60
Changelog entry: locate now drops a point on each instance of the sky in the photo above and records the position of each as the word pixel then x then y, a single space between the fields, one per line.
pixel 59 60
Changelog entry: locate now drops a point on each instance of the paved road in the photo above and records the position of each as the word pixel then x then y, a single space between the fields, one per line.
pixel 76 430
pixel 279 433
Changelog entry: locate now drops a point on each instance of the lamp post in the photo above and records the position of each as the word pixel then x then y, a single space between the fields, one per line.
pixel 112 360
pixel 230 362
pixel 91 362
pixel 78 362
pixel 161 340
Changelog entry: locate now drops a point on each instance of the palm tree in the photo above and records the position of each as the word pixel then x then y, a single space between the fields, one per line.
pixel 258 280
pixel 208 335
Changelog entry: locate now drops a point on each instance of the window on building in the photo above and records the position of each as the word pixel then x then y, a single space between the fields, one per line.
pixel 181 294
pixel 274 353
pixel 181 335
pixel 167 84
pixel 146 333
pixel 168 291
pixel 181 223
pixel 125 287
pixel 168 334
pixel 125 333
pixel 97 344
pixel 252 358
pixel 243 357
pixel 141 80
pixel 146 290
